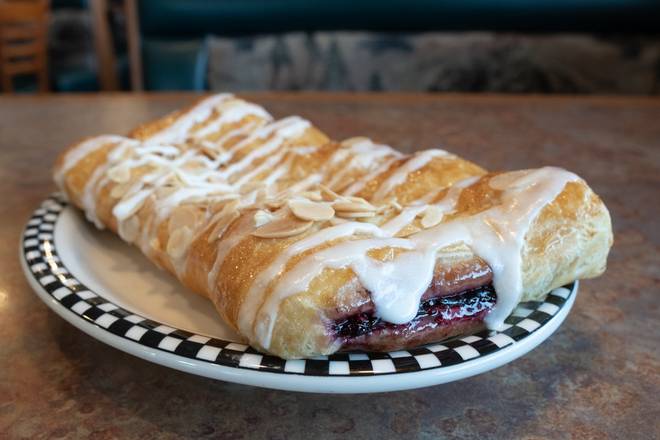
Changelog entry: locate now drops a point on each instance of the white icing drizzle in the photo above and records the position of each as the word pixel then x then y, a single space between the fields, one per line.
pixel 76 154
pixel 88 199
pixel 448 202
pixel 123 210
pixel 365 156
pixel 339 155
pixel 366 151
pixel 357 186
pixel 165 150
pixel 179 129
pixel 225 246
pixel 495 235
pixel 167 204
pixel 304 184
pixel 302 151
pixel 281 131
pixel 265 165
pixel 97 180
pixel 275 127
pixel 275 174
pixel 417 162
pixel 403 219
pixel 232 111
pixel 166 169
pixel 239 131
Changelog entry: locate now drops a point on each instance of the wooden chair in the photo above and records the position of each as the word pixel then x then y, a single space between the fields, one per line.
pixel 134 44
pixel 24 42
pixel 105 52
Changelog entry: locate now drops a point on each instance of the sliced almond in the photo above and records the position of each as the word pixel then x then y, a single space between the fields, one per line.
pixel 396 205
pixel 201 198
pixel 129 229
pixel 215 203
pixel 118 191
pixel 308 210
pixel 251 186
pixel 314 196
pixel 262 217
pixel 353 206
pixel 190 168
pixel 120 173
pixel 356 199
pixel 131 204
pixel 165 191
pixel 183 216
pixel 275 203
pixel 355 214
pixel 283 227
pixel 223 220
pixel 328 194
pixel 337 221
pixel 432 216
pixel 178 242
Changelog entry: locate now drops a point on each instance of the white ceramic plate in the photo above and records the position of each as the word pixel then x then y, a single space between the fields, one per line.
pixel 107 289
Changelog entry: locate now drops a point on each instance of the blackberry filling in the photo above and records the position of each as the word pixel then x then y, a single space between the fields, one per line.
pixel 469 304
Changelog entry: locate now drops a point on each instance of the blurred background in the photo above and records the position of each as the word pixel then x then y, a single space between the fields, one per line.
pixel 510 46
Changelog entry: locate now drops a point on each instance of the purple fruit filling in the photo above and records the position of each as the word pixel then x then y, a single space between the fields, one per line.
pixel 443 310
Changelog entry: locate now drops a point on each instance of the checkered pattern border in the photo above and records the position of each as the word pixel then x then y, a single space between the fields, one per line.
pixel 48 270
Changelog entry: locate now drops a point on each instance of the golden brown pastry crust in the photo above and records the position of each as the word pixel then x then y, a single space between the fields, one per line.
pixel 569 239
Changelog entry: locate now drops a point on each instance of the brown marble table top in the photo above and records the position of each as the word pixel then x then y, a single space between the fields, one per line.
pixel 597 377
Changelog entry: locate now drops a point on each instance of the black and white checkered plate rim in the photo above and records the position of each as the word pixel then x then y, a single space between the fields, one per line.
pixel 51 274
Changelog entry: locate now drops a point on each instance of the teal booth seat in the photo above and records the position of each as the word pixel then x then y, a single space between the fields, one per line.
pixel 79 4
pixel 173 31
pixel 171 64
pixel 76 79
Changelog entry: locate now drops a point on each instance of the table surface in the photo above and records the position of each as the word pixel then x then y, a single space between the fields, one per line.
pixel 598 376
